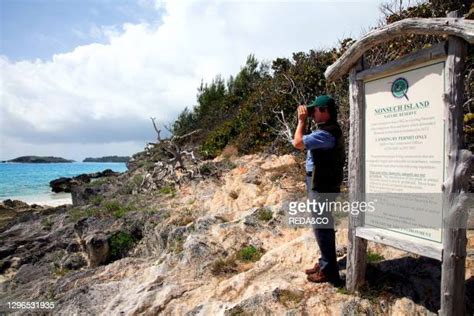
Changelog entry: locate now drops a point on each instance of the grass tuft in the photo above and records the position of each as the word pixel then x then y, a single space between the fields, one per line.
pixel 264 214
pixel 374 257
pixel 290 299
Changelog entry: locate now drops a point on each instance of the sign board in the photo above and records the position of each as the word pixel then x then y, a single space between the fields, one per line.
pixel 406 136
pixel 405 150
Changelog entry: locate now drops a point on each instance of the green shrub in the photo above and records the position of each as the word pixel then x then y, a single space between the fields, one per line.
pixel 249 254
pixel 264 214
pixel 120 243
pixel 228 164
pixel 207 169
pixel 111 205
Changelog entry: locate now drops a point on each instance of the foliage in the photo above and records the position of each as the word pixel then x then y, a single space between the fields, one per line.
pixel 76 213
pixel 120 243
pixel 98 182
pixel 58 269
pixel 96 199
pixel 137 180
pixel 264 214
pixel 230 264
pixel 168 189
pixel 249 254
pixel 116 208
pixel 240 112
pixel 374 257
pixel 133 183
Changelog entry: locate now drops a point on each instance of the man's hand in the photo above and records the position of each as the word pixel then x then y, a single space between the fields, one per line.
pixel 302 113
pixel 302 116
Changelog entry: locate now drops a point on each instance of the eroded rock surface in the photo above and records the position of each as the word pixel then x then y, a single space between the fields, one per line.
pixel 219 246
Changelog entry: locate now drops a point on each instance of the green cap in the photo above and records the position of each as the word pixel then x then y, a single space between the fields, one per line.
pixel 322 101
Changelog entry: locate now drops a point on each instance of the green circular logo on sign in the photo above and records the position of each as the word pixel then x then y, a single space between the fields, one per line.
pixel 400 88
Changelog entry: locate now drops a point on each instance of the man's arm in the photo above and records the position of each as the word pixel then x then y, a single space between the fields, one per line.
pixel 298 138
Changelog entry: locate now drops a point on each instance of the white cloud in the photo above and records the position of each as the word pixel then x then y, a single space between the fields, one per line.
pixel 149 70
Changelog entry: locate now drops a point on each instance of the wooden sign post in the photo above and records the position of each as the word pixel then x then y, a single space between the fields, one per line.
pixel 438 70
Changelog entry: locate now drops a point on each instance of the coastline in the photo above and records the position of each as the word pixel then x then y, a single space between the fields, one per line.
pixel 47 200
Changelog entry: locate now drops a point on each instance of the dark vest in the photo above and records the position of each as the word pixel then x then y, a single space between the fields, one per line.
pixel 328 164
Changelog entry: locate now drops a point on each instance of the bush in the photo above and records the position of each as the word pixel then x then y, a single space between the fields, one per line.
pixel 120 243
pixel 249 254
pixel 207 169
pixel 264 214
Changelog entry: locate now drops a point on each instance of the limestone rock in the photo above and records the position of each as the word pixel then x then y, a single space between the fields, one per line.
pixel 174 246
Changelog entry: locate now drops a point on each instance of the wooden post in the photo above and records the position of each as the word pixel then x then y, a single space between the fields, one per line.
pixel 357 251
pixel 456 185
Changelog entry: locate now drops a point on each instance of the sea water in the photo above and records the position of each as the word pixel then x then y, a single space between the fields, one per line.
pixel 29 182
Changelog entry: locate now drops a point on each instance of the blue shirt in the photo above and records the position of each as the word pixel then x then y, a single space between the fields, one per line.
pixel 317 140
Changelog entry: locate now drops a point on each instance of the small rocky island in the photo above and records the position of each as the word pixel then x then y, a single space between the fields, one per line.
pixel 108 159
pixel 39 159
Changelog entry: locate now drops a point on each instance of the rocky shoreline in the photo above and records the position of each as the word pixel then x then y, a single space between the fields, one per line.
pixel 65 184
pixel 217 245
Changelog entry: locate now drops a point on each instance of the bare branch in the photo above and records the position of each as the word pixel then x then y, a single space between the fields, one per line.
pixel 156 128
pixel 283 130
pixel 185 135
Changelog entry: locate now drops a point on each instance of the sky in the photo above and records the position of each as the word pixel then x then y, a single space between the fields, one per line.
pixel 81 78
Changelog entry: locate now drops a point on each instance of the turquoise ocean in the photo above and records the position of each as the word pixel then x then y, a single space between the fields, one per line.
pixel 30 181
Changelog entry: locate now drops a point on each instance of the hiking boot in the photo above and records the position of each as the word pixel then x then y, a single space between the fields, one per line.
pixel 314 269
pixel 321 277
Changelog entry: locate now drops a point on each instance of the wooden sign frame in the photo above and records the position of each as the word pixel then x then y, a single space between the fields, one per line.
pixel 452 252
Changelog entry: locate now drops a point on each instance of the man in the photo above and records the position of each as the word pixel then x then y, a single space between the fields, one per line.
pixel 324 171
